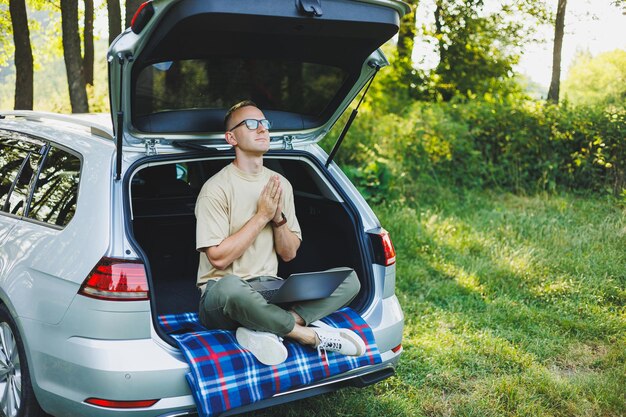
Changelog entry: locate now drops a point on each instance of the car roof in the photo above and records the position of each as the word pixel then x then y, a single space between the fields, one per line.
pixel 84 133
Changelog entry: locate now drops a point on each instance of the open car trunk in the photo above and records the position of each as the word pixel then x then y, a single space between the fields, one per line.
pixel 163 196
pixel 303 62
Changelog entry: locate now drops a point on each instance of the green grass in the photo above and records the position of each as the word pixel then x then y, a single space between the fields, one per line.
pixel 514 306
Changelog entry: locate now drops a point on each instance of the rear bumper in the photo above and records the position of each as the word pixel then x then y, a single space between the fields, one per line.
pixel 359 378
pixel 93 368
pixel 66 369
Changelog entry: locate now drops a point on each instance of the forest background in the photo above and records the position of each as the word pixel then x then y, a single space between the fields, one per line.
pixel 471 118
pixel 506 202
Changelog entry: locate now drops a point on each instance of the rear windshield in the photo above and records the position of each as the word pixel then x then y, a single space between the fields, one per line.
pixel 295 87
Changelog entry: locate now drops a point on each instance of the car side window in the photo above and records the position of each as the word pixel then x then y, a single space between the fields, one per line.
pixel 19 160
pixel 56 190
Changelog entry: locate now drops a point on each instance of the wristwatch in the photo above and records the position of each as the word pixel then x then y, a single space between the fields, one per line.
pixel 281 222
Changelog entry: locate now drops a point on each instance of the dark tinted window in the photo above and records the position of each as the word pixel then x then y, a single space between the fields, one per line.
pixel 218 83
pixel 19 158
pixel 56 190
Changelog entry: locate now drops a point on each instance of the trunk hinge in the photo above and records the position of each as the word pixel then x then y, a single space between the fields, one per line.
pixel 288 142
pixel 119 131
pixel 342 136
pixel 151 148
pixel 310 7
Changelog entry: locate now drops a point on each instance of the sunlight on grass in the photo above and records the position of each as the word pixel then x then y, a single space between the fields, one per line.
pixel 464 279
pixel 457 353
pixel 557 288
pixel 500 247
pixel 514 306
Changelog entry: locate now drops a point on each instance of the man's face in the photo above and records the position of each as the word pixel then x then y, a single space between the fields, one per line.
pixel 256 141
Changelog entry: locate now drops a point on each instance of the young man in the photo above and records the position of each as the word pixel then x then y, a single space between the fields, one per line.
pixel 245 219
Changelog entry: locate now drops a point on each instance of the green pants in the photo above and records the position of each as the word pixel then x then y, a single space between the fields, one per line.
pixel 231 302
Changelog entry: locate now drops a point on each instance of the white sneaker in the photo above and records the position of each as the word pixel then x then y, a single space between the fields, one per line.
pixel 266 347
pixel 342 341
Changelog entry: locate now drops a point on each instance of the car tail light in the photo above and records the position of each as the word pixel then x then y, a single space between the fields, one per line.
pixel 142 16
pixel 116 280
pixel 120 404
pixel 397 349
pixel 384 252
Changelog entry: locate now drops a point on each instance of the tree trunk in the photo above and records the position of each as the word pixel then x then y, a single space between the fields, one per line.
pixel 88 43
pixel 131 8
pixel 559 29
pixel 23 56
pixel 72 56
pixel 406 35
pixel 115 19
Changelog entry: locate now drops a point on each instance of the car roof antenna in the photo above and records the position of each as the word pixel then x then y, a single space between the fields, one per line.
pixel 351 118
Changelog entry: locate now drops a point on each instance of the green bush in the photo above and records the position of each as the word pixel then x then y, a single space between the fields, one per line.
pixel 519 145
pixel 533 146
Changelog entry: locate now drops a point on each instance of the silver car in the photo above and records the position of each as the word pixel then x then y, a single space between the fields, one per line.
pixel 97 230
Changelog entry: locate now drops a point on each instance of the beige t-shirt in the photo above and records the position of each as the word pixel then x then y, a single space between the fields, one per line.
pixel 225 204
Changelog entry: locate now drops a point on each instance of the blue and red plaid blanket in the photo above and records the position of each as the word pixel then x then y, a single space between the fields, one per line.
pixel 224 376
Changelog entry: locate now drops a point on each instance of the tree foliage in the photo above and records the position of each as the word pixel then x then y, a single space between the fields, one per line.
pixel 599 80
pixel 620 3
pixel 6 42
pixel 477 47
pixel 406 34
pixel 521 145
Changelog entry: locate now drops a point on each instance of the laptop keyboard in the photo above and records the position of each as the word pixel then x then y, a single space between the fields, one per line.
pixel 268 294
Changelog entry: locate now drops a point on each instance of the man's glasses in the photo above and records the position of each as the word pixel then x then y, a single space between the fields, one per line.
pixel 253 124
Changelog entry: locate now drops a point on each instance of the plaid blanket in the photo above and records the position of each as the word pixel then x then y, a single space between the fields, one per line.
pixel 224 376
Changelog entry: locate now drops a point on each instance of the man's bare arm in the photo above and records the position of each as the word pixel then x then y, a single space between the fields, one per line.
pixel 231 248
pixel 286 243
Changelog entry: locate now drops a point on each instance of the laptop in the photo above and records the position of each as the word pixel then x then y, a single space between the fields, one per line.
pixel 302 286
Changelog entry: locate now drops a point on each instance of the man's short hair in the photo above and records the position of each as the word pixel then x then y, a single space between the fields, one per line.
pixel 229 113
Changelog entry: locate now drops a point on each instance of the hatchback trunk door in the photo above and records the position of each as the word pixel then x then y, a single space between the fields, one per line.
pixel 301 61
